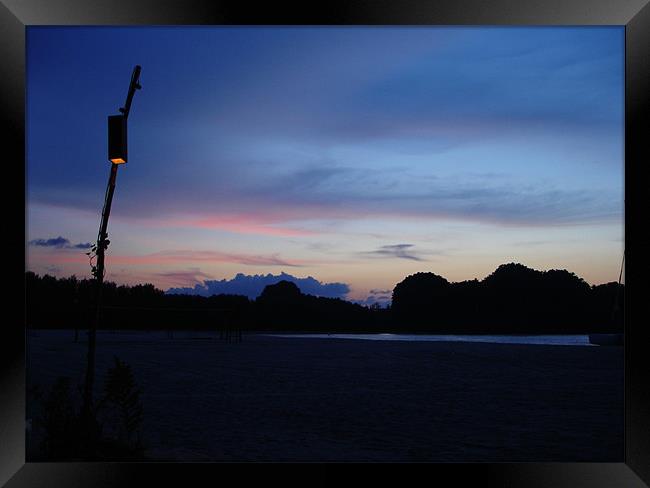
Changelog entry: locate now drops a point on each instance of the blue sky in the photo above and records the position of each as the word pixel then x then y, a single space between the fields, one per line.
pixel 354 155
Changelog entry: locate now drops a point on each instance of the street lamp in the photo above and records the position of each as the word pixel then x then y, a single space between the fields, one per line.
pixel 117 154
pixel 117 139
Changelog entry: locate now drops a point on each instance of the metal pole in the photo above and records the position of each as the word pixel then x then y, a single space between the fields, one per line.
pixel 102 244
pixel 99 276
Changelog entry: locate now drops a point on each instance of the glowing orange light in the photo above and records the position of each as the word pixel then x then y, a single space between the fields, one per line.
pixel 117 152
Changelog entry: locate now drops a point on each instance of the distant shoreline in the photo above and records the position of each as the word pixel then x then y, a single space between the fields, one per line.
pixel 268 332
pixel 579 340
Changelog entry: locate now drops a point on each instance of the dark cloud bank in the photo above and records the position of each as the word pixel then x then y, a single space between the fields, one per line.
pixel 252 286
pixel 59 243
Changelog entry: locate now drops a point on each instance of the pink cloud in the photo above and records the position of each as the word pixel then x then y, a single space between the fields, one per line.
pixel 192 276
pixel 183 256
pixel 162 280
pixel 242 224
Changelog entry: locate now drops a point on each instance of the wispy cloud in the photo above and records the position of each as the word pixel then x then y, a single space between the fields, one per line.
pixel 190 256
pixel 380 297
pixel 224 257
pixel 380 292
pixel 274 203
pixel 279 203
pixel 59 243
pixel 242 224
pixel 401 251
pixel 191 276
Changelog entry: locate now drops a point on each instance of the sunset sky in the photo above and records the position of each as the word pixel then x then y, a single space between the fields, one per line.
pixel 355 155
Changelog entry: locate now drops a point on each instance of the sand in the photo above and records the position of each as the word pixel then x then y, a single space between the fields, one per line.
pixel 288 399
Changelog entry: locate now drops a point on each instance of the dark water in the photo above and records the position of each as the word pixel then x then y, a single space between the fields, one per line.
pixel 393 399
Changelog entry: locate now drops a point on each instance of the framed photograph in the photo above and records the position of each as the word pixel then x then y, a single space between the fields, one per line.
pixel 348 233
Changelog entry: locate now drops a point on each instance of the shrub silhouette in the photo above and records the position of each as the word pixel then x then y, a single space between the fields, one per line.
pixel 116 421
pixel 121 403
pixel 60 421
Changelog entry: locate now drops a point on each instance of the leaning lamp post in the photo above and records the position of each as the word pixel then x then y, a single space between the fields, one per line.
pixel 117 155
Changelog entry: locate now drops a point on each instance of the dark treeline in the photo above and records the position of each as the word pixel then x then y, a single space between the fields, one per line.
pixel 513 299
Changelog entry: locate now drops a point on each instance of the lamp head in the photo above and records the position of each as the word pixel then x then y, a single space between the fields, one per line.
pixel 117 148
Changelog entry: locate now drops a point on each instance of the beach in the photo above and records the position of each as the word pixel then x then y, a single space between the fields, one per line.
pixel 306 399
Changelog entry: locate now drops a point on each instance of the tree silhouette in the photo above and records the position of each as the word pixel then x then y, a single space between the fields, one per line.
pixel 512 299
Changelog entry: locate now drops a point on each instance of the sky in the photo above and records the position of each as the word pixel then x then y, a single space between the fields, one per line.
pixel 355 156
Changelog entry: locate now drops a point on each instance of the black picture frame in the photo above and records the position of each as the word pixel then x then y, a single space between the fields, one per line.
pixel 15 15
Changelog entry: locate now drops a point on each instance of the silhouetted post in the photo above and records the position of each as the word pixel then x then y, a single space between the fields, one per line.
pixel 616 310
pixel 117 154
pixel 77 314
